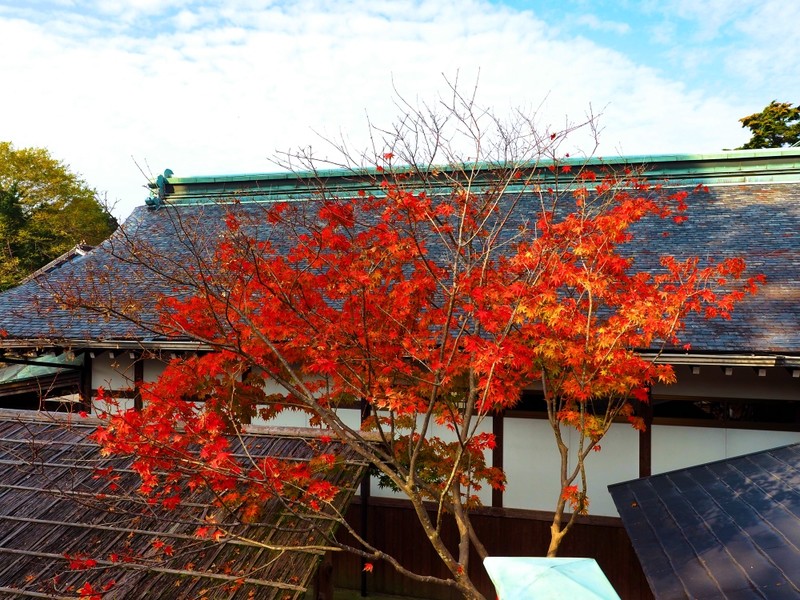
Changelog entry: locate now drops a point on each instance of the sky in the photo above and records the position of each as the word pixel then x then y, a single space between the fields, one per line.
pixel 121 90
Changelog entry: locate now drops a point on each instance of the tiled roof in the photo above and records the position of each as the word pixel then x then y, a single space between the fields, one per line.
pixel 56 508
pixel 757 221
pixel 76 252
pixel 727 529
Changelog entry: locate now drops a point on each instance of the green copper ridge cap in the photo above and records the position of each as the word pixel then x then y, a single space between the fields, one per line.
pixel 780 165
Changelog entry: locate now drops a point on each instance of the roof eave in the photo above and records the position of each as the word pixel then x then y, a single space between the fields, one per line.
pixel 107 344
pixel 787 358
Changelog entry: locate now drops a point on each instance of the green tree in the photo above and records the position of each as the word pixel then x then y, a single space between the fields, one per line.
pixel 12 220
pixel 44 211
pixel 776 126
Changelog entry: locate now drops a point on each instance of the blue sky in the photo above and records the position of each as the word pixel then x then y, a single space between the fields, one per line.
pixel 733 47
pixel 117 87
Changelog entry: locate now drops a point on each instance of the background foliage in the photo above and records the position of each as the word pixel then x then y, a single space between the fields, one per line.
pixel 776 126
pixel 45 210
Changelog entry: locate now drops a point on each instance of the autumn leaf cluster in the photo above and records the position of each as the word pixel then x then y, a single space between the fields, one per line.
pixel 430 307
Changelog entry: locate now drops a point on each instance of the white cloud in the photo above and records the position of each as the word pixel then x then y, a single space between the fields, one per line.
pixel 754 42
pixel 593 22
pixel 206 88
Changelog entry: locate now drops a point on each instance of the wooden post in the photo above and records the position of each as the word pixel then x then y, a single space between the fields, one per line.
pixel 323 583
pixel 138 379
pixel 498 419
pixel 646 436
pixel 86 383
pixel 364 507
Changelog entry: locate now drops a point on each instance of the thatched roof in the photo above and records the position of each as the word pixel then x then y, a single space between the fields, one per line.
pixel 57 512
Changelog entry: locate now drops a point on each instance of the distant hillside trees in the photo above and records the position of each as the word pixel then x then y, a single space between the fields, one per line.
pixel 44 211
pixel 776 126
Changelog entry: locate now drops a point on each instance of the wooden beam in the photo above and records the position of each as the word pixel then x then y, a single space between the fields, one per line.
pixel 323 582
pixel 646 437
pixel 366 492
pixel 138 379
pixel 498 420
pixel 86 383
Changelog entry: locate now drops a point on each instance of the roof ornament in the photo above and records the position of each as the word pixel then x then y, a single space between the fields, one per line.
pixel 155 201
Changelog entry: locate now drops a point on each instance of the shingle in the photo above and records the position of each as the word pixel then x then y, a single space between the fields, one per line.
pixel 746 537
pixel 758 222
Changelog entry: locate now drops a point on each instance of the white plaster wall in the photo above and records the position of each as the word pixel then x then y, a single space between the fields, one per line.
pixel 484 494
pixel 531 462
pixel 294 418
pixel 618 460
pixel 122 405
pixel 676 447
pixel 531 459
pixel 112 373
pixel 744 441
pixel 352 418
pixel 152 369
pixel 530 455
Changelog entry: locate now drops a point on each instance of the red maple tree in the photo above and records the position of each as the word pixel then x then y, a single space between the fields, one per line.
pixel 431 298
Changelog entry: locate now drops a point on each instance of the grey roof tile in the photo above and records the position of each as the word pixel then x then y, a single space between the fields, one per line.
pixel 759 222
pixel 727 529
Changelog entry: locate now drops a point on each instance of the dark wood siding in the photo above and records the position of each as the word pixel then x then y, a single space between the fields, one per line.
pixel 393 527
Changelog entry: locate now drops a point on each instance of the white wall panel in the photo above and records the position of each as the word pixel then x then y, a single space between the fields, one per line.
pixel 744 441
pixel 532 464
pixel 293 418
pixel 679 447
pixel 676 447
pixel 530 455
pixel 152 369
pixel 112 373
pixel 618 460
pixel 123 404
pixel 484 494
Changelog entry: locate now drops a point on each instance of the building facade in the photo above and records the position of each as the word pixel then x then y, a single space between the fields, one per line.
pixel 737 389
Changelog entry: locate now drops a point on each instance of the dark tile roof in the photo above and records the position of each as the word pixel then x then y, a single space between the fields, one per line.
pixel 758 221
pixel 76 252
pixel 53 505
pixel 727 529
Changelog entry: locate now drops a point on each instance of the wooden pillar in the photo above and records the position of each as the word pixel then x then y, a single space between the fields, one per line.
pixel 646 436
pixel 138 379
pixel 86 383
pixel 498 420
pixel 366 411
pixel 323 583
